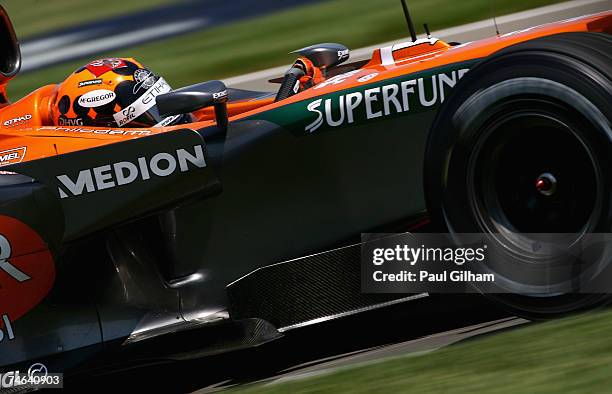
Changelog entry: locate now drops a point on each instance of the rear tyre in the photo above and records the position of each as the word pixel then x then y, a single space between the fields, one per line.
pixel 523 146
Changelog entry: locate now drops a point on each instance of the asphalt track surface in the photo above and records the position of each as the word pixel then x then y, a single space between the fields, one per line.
pixel 141 27
pixel 411 328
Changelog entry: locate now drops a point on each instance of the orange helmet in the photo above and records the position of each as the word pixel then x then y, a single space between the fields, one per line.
pixel 112 93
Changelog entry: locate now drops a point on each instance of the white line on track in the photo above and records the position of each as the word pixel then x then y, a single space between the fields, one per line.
pixel 57 50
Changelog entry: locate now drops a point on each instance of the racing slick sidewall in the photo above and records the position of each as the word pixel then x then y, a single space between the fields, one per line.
pixel 546 103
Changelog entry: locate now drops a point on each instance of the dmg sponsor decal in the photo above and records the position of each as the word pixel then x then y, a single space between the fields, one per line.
pixel 382 101
pixel 12 156
pixel 27 270
pixel 97 98
pixel 122 173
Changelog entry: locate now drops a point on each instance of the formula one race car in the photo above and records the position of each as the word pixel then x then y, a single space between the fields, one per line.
pixel 134 215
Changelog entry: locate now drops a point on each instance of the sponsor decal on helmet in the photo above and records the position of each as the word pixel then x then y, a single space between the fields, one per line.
pixel 12 156
pixel 97 98
pixel 65 121
pixel 18 120
pixel 144 80
pixel 143 104
pixel 382 101
pixel 123 173
pixel 101 66
pixel 90 82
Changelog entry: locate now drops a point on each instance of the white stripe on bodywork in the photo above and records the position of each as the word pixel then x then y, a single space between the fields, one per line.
pixel 386 53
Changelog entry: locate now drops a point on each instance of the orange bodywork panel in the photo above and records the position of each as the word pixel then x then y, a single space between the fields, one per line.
pixel 27 132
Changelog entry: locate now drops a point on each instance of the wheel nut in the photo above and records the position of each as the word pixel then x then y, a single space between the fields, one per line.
pixel 546 184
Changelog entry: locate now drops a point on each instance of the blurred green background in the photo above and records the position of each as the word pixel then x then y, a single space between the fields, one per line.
pixel 35 17
pixel 247 45
pixel 572 355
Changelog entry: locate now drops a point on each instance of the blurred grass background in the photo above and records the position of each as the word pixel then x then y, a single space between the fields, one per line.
pixel 35 17
pixel 572 355
pixel 265 41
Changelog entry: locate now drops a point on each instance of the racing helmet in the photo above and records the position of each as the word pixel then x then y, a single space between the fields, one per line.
pixel 116 92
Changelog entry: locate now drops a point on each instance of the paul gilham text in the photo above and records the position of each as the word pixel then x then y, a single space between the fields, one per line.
pixel 425 276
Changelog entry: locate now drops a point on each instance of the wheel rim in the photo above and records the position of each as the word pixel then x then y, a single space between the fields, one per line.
pixel 532 173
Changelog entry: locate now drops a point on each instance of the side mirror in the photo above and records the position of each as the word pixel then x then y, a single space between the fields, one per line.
pixel 325 55
pixel 195 97
pixel 10 55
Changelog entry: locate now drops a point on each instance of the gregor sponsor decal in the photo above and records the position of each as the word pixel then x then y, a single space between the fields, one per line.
pixel 12 156
pixel 122 173
pixel 381 101
pixel 7 332
pixel 20 120
pixel 97 98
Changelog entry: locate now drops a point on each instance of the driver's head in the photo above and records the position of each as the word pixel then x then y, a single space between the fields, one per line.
pixel 112 93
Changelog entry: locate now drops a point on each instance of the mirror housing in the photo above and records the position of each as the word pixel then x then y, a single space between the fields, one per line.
pixel 325 55
pixel 10 54
pixel 195 97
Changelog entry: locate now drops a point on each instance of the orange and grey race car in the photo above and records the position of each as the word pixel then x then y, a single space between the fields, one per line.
pixel 132 214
